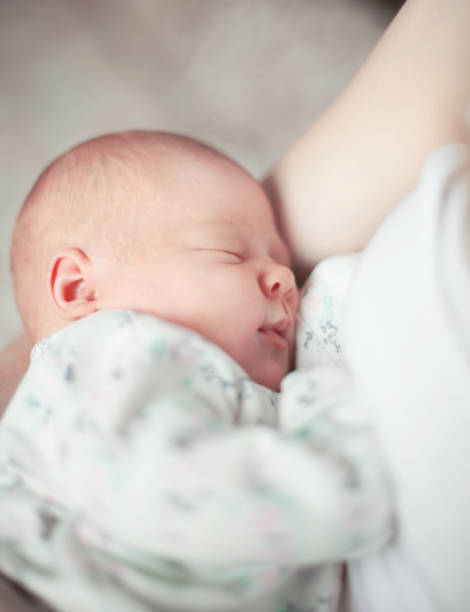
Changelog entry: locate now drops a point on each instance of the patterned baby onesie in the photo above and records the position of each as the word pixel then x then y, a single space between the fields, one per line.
pixel 320 344
pixel 141 469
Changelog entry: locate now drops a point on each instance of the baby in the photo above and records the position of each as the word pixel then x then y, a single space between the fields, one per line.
pixel 139 459
pixel 159 224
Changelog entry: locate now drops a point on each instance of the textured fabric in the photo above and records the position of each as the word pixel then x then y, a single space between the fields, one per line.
pixel 407 340
pixel 141 470
pixel 321 312
pixel 320 342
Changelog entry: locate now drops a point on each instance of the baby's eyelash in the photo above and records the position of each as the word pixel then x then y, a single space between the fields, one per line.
pixel 229 252
pixel 232 253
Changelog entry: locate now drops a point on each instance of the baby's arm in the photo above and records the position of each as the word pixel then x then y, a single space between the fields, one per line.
pixel 363 154
pixel 178 492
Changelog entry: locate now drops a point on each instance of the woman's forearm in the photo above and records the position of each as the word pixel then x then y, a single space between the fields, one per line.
pixel 359 159
pixel 14 359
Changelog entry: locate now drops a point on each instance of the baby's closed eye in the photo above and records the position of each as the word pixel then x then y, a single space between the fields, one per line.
pixel 224 254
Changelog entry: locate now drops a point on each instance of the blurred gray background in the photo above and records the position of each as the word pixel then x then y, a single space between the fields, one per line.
pixel 247 76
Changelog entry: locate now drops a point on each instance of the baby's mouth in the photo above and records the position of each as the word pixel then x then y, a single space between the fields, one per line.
pixel 275 337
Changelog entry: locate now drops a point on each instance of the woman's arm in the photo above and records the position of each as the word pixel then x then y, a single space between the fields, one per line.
pixel 14 360
pixel 363 154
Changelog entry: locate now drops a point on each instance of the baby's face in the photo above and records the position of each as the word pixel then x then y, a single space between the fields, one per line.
pixel 217 265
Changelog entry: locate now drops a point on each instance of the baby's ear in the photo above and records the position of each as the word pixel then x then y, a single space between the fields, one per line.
pixel 71 284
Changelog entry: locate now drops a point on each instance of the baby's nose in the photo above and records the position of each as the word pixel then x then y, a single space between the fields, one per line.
pixel 278 281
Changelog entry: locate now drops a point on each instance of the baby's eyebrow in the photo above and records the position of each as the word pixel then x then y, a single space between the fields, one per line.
pixel 214 235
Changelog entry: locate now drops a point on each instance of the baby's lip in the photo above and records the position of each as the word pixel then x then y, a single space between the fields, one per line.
pixel 277 333
pixel 282 327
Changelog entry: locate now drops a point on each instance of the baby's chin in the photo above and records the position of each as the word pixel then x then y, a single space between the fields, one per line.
pixel 271 376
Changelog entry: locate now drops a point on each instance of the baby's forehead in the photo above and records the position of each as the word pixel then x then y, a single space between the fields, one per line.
pixel 138 180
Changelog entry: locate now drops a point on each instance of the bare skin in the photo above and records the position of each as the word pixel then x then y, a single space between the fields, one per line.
pixel 13 363
pixel 362 155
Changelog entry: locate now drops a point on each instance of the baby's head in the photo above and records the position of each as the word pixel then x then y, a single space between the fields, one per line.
pixel 161 224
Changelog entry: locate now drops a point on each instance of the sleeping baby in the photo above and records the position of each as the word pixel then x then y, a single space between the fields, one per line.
pixel 147 460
